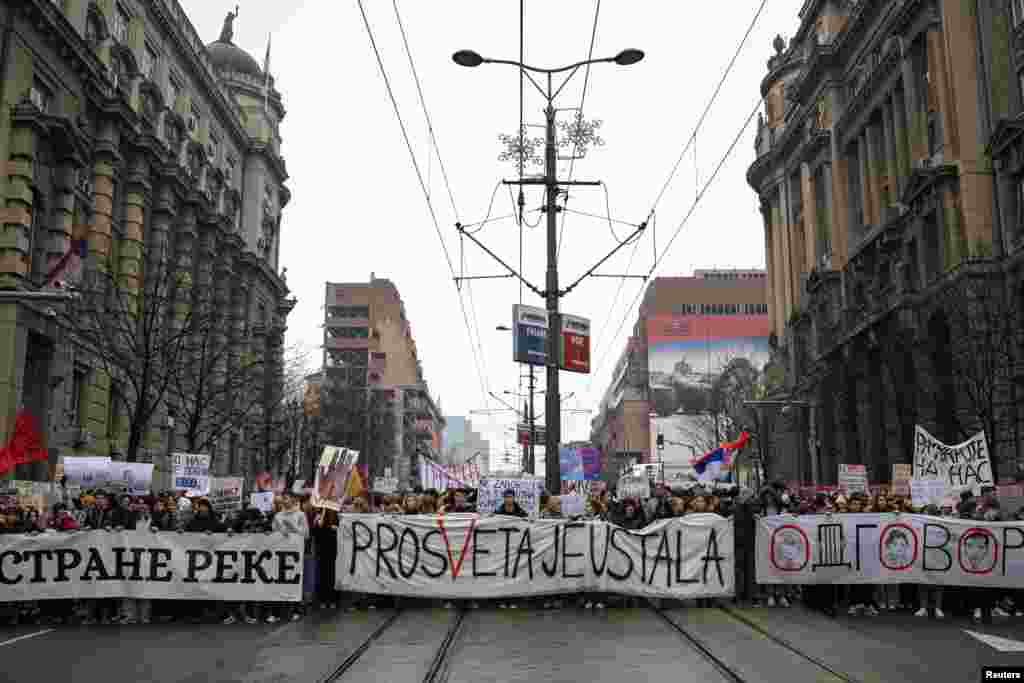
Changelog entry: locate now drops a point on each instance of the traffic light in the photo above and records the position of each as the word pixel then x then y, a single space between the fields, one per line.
pixel 661 442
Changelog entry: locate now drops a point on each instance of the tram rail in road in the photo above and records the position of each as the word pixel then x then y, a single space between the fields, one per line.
pixel 730 672
pixel 439 665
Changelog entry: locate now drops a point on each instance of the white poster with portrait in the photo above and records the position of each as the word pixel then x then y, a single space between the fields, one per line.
pixel 888 548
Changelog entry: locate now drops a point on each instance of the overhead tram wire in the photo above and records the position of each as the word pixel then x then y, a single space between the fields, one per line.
pixel 700 122
pixel 579 113
pixel 692 139
pixel 426 194
pixel 423 105
pixel 444 175
pixel 679 228
pixel 522 85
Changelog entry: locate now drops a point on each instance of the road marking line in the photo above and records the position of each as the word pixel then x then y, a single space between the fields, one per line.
pixel 26 636
pixel 993 641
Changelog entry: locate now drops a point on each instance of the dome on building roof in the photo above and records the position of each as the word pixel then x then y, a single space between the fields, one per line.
pixel 226 56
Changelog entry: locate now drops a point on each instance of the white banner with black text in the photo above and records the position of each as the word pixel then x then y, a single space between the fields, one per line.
pixel 144 564
pixel 889 548
pixel 468 556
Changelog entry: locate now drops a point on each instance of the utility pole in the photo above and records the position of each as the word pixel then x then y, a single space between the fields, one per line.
pixel 551 293
pixel 552 473
pixel 531 462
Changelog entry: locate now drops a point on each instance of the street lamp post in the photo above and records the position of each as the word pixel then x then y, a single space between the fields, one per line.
pixel 812 442
pixel 469 58
pixel 530 464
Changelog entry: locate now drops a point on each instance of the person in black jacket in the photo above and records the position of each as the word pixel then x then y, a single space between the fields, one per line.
pixel 122 517
pixel 509 506
pixel 203 521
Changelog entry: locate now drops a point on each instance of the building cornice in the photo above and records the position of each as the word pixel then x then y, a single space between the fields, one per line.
pixel 70 45
pixel 176 25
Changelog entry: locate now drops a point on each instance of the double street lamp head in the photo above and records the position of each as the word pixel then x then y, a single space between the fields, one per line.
pixel 467 58
pixel 627 57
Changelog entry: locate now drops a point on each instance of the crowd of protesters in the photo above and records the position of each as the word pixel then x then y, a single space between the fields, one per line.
pixel 172 512
pixel 980 604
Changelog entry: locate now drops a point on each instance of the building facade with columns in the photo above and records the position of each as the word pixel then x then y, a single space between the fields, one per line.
pixel 121 126
pixel 888 169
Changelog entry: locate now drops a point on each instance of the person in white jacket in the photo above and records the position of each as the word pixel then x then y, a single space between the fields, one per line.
pixel 290 520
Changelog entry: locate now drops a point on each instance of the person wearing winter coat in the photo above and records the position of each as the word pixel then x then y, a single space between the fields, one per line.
pixel 509 506
pixel 325 539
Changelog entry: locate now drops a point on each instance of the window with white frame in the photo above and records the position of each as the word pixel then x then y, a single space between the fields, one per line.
pixel 119 24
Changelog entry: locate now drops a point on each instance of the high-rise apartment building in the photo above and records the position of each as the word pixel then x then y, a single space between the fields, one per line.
pixel 368 344
pixel 687 330
pixel 889 173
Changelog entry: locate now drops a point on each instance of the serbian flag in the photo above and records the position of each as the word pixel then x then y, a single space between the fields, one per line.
pixel 709 466
pixel 25 445
pixel 69 266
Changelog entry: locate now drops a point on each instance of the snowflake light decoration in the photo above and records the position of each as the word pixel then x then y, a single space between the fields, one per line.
pixel 580 134
pixel 520 142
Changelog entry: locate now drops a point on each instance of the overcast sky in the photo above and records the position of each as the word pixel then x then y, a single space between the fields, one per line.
pixel 357 207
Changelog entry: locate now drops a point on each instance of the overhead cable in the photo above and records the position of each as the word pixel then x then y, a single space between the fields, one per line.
pixel 679 229
pixel 426 193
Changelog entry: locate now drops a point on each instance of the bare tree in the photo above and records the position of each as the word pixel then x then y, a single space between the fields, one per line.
pixel 218 391
pixel 361 418
pixel 983 324
pixel 136 330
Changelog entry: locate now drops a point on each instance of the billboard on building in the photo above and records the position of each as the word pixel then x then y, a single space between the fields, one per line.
pixel 685 354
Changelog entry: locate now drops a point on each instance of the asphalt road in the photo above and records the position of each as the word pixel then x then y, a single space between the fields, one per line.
pixel 678 645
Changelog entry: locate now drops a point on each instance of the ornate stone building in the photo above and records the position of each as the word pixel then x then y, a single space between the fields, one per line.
pixel 120 125
pixel 892 239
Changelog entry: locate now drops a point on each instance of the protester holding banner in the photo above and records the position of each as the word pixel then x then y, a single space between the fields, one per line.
pixel 325 539
pixel 291 520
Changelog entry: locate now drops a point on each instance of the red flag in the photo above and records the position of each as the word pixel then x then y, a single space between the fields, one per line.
pixel 738 443
pixel 26 444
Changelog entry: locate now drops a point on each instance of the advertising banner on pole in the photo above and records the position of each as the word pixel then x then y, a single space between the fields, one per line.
pixel 466 556
pixel 889 549
pixel 529 335
pixel 157 566
pixel 574 344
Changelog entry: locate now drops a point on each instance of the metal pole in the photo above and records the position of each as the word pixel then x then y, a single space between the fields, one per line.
pixel 553 412
pixel 531 462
